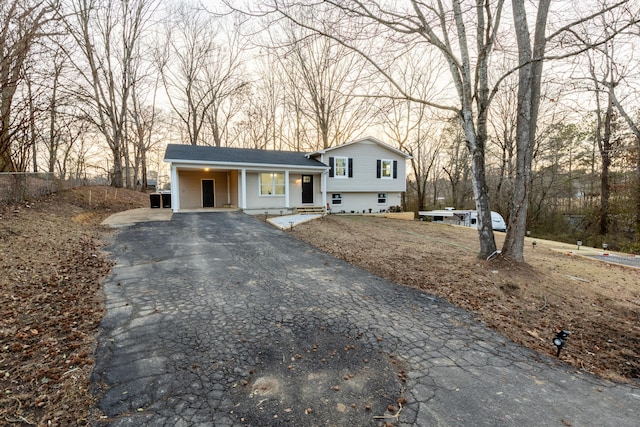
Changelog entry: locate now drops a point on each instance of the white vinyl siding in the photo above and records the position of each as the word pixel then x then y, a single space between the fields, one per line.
pixel 365 155
pixel 366 202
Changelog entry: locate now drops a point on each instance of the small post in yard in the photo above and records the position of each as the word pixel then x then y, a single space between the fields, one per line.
pixel 89 197
pixel 579 244
pixel 560 339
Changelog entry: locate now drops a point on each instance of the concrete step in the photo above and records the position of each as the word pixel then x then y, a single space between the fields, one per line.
pixel 309 210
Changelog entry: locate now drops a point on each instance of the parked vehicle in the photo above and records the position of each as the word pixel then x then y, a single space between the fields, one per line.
pixel 468 218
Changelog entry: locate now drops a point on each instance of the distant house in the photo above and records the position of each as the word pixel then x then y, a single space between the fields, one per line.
pixel 358 176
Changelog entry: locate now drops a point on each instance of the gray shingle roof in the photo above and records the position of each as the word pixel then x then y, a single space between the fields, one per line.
pixel 199 153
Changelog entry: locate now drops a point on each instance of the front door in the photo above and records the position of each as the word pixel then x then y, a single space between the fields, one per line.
pixel 207 193
pixel 307 188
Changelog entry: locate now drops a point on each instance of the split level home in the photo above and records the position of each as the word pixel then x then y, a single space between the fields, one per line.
pixel 365 175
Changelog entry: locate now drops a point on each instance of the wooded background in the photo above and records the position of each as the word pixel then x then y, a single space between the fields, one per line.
pixel 530 110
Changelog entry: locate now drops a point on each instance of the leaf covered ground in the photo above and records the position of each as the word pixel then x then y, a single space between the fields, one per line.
pixel 51 302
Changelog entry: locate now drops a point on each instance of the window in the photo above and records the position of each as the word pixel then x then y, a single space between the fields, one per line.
pixel 336 199
pixel 387 169
pixel 387 165
pixel 271 184
pixel 382 198
pixel 341 164
pixel 341 167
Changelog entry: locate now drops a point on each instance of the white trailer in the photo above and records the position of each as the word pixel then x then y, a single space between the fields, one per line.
pixel 467 218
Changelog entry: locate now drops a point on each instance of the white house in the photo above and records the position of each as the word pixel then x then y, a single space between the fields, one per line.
pixel 357 176
pixel 365 175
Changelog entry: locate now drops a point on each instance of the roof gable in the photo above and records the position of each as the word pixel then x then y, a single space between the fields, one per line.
pixel 357 141
pixel 227 155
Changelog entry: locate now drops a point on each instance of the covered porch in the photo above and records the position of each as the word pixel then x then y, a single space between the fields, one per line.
pixel 254 190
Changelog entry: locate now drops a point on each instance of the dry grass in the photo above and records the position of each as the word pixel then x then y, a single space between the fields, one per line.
pixel 599 303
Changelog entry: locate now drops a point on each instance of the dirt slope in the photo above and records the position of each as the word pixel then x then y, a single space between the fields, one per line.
pixel 51 303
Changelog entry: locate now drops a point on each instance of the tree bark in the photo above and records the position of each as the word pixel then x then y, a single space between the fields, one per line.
pixel 529 83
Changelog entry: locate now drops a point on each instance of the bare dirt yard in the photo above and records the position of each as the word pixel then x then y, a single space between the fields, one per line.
pixel 597 302
pixel 51 303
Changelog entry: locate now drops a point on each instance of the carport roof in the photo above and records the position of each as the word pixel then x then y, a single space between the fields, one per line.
pixel 225 155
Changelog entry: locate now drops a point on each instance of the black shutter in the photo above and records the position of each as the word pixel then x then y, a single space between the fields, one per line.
pixel 331 166
pixel 395 169
pixel 378 168
pixel 350 167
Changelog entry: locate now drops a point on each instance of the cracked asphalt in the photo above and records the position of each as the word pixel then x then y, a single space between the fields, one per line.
pixel 219 319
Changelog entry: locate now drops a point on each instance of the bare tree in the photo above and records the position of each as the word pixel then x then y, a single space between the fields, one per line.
pixel 440 31
pixel 324 79
pixel 634 125
pixel 530 61
pixel 22 24
pixel 456 164
pixel 261 123
pixel 613 87
pixel 201 68
pixel 107 33
pixel 607 69
pixel 408 127
pixel 502 121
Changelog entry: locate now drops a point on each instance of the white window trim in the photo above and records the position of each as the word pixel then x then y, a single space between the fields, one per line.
pixel 338 198
pixel 382 169
pixel 273 185
pixel 346 167
pixel 386 199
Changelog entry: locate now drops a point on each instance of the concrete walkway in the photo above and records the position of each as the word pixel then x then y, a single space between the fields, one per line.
pixel 134 216
pixel 222 320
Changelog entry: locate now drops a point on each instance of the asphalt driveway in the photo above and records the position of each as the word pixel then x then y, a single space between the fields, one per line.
pixel 219 319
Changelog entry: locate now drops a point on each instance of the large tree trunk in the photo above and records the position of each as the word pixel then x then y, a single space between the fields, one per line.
pixel 480 193
pixel 605 155
pixel 529 82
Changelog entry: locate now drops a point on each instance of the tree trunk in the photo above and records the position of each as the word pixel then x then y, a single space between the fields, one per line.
pixel 605 155
pixel 529 82
pixel 475 145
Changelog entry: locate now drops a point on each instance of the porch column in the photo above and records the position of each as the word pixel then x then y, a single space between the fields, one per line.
pixel 243 189
pixel 175 189
pixel 228 188
pixel 286 190
pixel 324 190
